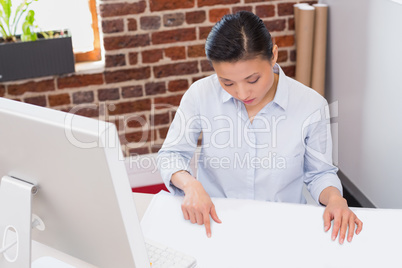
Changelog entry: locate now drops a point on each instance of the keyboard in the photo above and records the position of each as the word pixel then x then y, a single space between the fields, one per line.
pixel 162 256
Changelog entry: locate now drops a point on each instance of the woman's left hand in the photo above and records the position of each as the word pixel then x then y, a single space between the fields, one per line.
pixel 337 210
pixel 344 219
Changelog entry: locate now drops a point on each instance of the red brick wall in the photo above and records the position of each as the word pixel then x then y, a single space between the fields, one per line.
pixel 154 51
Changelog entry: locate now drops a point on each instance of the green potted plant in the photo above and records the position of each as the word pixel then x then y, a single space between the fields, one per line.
pixel 30 54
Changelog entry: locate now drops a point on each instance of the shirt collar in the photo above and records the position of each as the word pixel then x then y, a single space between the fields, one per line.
pixel 282 91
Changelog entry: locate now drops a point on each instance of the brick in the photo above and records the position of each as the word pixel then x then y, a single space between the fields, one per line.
pixel 285 9
pixel 206 66
pixel 108 94
pixel 291 24
pixel 282 56
pixel 159 119
pixel 198 78
pixel 160 103
pixel 138 136
pixel 204 32
pixel 289 70
pixel 284 40
pixel 136 121
pixel 87 111
pixel 127 75
pixel 175 53
pixel 60 99
pixel 152 56
pixel 245 8
pixel 202 3
pixel 196 51
pixel 118 121
pixel 83 97
pixel 133 58
pixel 155 148
pixel 178 85
pixel 255 1
pixel 131 107
pixel 127 41
pixel 216 14
pixel 115 60
pixel 132 25
pixel 131 92
pixel 138 151
pixel 41 86
pixel 121 9
pixel 172 20
pixel 39 101
pixel 275 25
pixel 163 132
pixel 265 11
pixel 155 88
pixel 172 36
pixel 309 2
pixel 112 26
pixel 293 55
pixel 196 17
pixel 175 69
pixel 2 91
pixel 150 22
pixel 79 80
pixel 161 5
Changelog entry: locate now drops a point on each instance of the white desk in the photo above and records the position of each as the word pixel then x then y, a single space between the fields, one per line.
pixel 282 235
pixel 265 234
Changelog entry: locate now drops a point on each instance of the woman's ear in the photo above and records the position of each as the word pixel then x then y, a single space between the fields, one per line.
pixel 274 54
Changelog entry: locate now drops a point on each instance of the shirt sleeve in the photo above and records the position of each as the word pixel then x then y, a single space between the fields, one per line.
pixel 181 141
pixel 319 170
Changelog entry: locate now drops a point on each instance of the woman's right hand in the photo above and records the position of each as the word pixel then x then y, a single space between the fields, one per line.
pixel 197 204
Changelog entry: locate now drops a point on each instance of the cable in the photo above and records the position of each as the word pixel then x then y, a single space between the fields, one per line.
pixel 4 249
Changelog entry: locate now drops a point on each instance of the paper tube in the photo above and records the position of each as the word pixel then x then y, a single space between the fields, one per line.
pixel 320 44
pixel 304 44
pixel 296 15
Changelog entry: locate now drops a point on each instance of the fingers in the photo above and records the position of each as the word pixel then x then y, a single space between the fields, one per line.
pixel 344 228
pixel 214 215
pixel 336 227
pixel 200 215
pixel 351 228
pixel 327 221
pixel 359 225
pixel 343 224
pixel 207 225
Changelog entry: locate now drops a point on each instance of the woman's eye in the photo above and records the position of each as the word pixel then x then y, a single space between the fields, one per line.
pixel 255 81
pixel 228 85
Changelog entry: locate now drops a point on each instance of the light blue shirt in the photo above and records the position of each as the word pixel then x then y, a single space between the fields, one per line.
pixel 287 144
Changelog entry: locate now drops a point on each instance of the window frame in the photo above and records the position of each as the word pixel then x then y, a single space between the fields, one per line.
pixel 95 54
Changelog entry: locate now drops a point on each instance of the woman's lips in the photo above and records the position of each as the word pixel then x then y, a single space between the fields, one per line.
pixel 248 101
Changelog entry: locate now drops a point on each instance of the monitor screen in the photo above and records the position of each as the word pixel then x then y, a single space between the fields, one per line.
pixel 83 193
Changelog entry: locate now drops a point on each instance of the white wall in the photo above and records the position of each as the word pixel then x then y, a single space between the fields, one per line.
pixel 364 74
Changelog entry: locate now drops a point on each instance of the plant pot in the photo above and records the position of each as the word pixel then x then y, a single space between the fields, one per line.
pixel 38 58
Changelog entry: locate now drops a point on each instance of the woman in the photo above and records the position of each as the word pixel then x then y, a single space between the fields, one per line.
pixel 263 133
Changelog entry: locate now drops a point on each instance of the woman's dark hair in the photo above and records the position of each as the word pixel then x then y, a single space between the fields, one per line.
pixel 239 36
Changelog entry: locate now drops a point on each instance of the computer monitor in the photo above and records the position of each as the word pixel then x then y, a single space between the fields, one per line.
pixel 69 171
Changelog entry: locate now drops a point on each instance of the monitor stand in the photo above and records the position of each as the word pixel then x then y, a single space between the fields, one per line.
pixel 16 222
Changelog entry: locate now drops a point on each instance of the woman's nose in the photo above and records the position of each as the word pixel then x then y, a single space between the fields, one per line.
pixel 243 93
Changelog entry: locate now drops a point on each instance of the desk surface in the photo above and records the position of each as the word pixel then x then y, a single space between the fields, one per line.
pixel 282 235
pixel 267 234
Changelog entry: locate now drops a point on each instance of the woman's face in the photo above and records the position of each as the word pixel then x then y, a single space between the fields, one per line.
pixel 249 81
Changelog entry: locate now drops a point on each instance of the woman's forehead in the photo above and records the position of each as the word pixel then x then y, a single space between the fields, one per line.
pixel 241 70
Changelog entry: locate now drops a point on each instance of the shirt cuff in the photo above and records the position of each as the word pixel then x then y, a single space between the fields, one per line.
pixel 327 180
